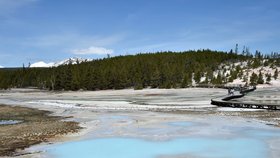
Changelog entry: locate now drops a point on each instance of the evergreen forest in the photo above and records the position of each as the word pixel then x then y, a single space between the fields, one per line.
pixel 149 70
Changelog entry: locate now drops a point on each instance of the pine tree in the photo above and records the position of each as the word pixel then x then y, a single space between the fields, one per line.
pixel 260 78
pixel 155 79
pixel 219 79
pixel 268 78
pixel 206 79
pixel 197 77
pixel 275 76
pixel 58 82
pixel 253 79
pixel 186 81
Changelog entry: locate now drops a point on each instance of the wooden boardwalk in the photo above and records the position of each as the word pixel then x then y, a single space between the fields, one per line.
pixel 227 101
pixel 238 104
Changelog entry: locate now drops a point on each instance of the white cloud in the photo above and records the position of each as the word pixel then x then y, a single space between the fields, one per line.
pixel 92 50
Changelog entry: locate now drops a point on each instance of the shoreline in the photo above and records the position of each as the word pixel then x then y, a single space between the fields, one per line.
pixel 35 127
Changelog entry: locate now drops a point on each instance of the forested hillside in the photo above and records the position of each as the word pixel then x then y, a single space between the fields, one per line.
pixel 155 70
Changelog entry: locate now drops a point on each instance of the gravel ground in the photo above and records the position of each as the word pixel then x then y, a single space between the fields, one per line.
pixel 35 126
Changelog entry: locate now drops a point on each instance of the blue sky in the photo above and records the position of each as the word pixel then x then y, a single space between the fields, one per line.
pixel 52 30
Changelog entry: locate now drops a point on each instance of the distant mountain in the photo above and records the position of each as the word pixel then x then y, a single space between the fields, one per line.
pixel 42 64
pixel 74 61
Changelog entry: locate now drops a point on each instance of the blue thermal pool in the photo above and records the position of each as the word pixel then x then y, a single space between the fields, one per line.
pixel 137 148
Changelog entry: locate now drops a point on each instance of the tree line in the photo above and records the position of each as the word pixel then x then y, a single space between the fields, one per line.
pixel 155 70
